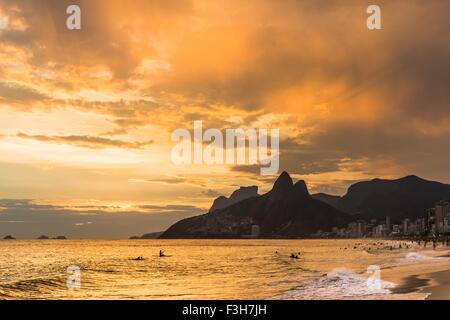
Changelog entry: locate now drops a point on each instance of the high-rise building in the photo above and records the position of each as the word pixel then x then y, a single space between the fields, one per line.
pixel 421 226
pixel 405 226
pixel 361 228
pixel 441 211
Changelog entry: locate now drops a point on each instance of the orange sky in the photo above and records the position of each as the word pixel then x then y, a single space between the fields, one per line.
pixel 86 116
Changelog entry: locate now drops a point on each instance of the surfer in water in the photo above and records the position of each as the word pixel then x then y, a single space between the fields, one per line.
pixel 139 258
pixel 161 253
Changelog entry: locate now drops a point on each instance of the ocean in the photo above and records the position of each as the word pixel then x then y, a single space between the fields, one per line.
pixel 196 269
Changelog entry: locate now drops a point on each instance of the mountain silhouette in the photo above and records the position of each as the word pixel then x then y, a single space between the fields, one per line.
pixel 407 197
pixel 287 211
pixel 238 195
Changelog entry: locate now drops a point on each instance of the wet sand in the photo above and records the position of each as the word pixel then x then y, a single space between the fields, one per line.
pixel 414 283
pixel 411 284
pixel 440 291
pixel 434 286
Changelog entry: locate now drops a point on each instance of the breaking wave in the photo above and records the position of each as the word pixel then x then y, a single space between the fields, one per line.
pixel 340 283
pixel 414 256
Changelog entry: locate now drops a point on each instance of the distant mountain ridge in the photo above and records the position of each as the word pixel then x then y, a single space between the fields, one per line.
pixel 287 211
pixel 407 197
pixel 238 195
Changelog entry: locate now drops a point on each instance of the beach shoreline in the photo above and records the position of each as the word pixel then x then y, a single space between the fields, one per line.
pixel 436 285
pixel 441 290
pixel 428 279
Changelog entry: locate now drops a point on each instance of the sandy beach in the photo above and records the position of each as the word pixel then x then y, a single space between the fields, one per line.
pixel 441 289
pixel 424 276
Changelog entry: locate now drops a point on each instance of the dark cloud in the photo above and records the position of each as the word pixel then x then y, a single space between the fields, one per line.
pixel 318 44
pixel 299 158
pixel 168 180
pixel 14 93
pixel 171 208
pixel 253 169
pixel 107 35
pixel 211 193
pixel 372 149
pixel 87 141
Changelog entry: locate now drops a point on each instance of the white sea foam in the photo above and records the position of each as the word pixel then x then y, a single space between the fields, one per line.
pixel 341 283
pixel 415 256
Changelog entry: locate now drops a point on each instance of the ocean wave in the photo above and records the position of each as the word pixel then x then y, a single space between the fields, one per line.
pixel 14 289
pixel 340 283
pixel 415 256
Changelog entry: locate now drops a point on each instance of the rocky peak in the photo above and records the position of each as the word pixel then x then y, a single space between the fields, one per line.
pixel 301 189
pixel 283 183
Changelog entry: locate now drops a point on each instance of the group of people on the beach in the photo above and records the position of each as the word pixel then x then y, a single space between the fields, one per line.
pixel 434 240
pixel 380 245
pixel 402 244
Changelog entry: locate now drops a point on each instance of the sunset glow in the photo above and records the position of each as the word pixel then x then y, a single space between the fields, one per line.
pixel 86 116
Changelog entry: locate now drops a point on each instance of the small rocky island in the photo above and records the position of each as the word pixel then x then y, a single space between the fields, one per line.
pixel 44 237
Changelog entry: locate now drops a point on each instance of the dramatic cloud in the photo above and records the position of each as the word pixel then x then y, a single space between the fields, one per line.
pixel 87 141
pixel 17 93
pixel 211 193
pixel 352 104
pixel 167 180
